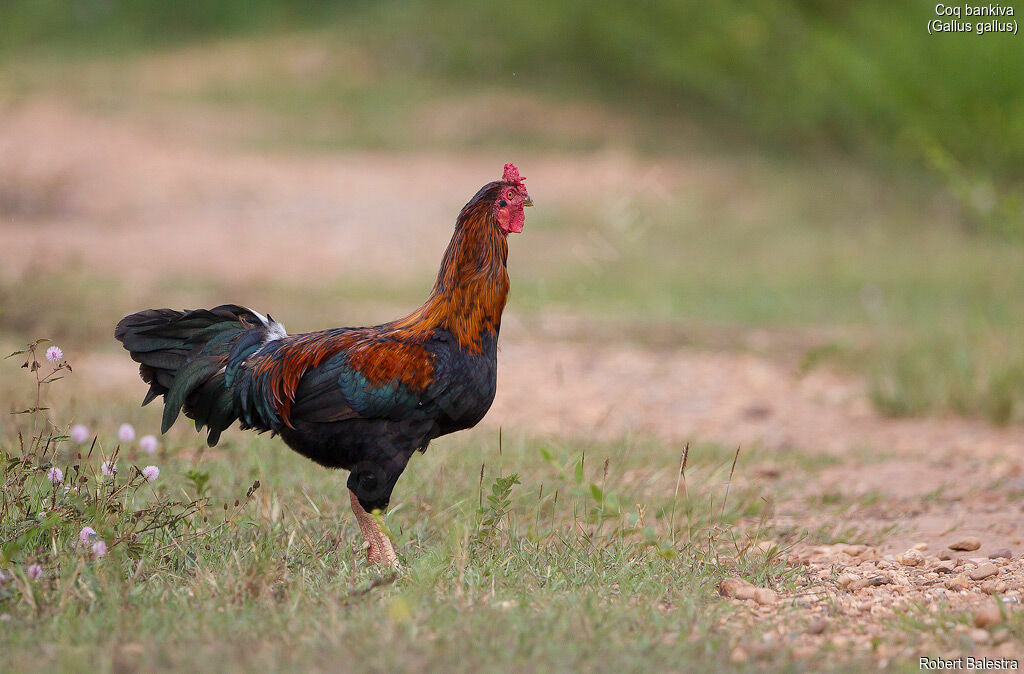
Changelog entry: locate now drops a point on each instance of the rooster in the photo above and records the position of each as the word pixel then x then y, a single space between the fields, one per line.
pixel 362 399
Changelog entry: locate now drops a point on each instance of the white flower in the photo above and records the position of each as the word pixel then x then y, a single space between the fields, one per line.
pixel 80 433
pixel 86 533
pixel 151 473
pixel 126 433
pixel 99 549
pixel 148 444
pixel 55 475
pixel 35 571
pixel 54 354
pixel 108 468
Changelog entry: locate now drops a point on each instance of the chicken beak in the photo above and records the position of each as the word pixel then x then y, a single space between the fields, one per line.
pixel 528 202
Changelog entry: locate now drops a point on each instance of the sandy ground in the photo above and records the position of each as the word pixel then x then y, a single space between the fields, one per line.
pixel 81 188
pixel 113 195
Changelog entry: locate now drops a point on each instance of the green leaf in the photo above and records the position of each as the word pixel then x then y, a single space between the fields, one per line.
pixel 9 551
pixel 199 481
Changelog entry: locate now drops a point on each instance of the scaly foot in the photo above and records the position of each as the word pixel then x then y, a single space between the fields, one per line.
pixel 380 550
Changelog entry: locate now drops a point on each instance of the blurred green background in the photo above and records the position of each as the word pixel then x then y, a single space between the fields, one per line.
pixel 794 77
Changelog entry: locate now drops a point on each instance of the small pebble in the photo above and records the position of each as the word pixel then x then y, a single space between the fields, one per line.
pixel 945 566
pixel 946 555
pixel 994 586
pixel 858 584
pixel 957 583
pixel 875 581
pixel 1002 553
pixel 984 571
pixel 738 588
pixel 730 586
pixel 987 614
pixel 920 546
pixel 911 557
pixel 980 636
pixel 817 626
pixel 745 592
pixel 967 543
pixel 846 579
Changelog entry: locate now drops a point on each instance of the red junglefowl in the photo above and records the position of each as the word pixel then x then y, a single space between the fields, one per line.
pixel 362 399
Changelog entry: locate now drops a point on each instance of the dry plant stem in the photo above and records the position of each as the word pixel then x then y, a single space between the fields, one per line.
pixel 732 471
pixel 380 550
pixel 681 477
pixel 36 367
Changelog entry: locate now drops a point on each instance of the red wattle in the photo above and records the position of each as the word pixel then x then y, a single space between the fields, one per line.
pixel 516 221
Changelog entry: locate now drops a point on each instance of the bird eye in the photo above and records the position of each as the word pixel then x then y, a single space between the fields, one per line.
pixel 510 194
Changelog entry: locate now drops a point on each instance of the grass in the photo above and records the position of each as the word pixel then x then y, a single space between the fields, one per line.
pixel 592 555
pixel 328 91
pixel 591 560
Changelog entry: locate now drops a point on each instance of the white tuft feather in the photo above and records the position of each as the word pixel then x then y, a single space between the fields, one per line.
pixel 275 330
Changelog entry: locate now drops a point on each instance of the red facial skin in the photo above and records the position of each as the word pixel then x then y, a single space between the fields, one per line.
pixel 510 204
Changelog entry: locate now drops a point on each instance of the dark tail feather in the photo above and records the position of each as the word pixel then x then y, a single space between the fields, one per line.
pixel 185 355
pixel 160 355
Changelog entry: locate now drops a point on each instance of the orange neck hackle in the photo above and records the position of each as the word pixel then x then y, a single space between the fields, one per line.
pixel 471 287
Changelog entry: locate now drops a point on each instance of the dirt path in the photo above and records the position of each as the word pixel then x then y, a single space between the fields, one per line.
pixel 102 192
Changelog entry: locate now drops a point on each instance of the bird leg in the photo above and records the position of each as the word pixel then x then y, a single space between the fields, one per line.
pixel 380 550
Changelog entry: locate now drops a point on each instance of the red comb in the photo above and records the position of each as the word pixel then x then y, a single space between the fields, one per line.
pixel 511 175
